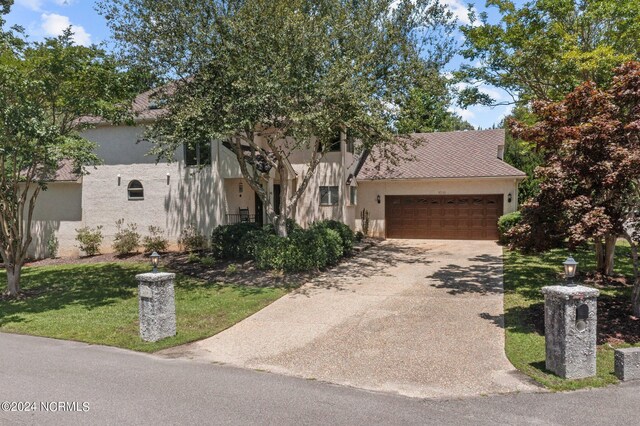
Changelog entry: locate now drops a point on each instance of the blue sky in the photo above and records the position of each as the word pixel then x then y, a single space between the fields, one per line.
pixel 43 18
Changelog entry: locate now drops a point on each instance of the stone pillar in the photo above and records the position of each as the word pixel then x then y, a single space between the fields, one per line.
pixel 570 322
pixel 157 306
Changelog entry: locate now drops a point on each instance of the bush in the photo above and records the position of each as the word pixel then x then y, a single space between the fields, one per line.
pixel 52 246
pixel 346 234
pixel 155 241
pixel 126 240
pixel 191 239
pixel 359 236
pixel 505 223
pixel 270 252
pixel 89 239
pixel 227 240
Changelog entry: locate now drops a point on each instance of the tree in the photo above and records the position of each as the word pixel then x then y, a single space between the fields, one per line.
pixel 545 48
pixel 45 90
pixel 591 168
pixel 272 77
pixel 426 109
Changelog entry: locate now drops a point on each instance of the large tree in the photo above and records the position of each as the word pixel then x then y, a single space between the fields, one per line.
pixel 272 77
pixel 591 168
pixel 45 89
pixel 543 49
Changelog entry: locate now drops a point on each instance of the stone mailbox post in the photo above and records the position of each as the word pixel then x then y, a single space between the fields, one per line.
pixel 570 320
pixel 157 306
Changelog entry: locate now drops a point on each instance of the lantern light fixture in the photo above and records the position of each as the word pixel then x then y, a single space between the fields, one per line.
pixel 378 198
pixel 155 260
pixel 570 268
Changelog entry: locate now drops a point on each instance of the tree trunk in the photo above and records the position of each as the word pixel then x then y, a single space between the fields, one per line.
pixel 605 254
pixel 635 298
pixel 281 225
pixel 13 280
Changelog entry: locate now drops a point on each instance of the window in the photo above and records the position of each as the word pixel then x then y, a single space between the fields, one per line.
pixel 135 190
pixel 334 144
pixel 353 195
pixel 197 154
pixel 351 141
pixel 328 195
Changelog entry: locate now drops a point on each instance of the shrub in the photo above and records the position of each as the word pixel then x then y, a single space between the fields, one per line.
pixel 89 239
pixel 207 261
pixel 191 239
pixel 346 234
pixel 155 241
pixel 271 251
pixel 126 240
pixel 227 240
pixel 364 217
pixel 359 236
pixel 232 269
pixel 193 258
pixel 505 223
pixel 52 246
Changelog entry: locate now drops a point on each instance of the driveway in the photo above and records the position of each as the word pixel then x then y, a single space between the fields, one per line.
pixel 421 318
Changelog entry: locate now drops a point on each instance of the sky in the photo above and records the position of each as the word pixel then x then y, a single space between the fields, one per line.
pixel 42 18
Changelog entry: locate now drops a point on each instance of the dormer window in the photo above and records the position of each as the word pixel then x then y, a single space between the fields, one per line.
pixel 135 190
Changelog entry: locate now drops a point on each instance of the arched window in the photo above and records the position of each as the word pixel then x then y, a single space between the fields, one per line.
pixel 135 190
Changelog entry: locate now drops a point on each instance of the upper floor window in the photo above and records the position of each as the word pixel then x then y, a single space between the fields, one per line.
pixel 197 154
pixel 334 144
pixel 328 195
pixel 135 190
pixel 353 195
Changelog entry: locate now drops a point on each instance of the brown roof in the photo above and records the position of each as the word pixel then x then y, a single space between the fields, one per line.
pixel 65 172
pixel 463 154
pixel 145 107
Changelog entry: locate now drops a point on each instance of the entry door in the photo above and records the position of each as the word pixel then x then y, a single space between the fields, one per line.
pixel 276 198
pixel 259 210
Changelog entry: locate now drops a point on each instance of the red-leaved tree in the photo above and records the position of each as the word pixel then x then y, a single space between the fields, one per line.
pixel 590 143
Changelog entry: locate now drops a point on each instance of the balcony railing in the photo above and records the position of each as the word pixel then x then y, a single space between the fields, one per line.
pixel 234 218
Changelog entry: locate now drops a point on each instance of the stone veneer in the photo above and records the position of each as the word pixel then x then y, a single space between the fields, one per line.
pixel 156 297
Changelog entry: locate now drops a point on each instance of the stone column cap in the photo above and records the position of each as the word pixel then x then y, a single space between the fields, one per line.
pixel 155 277
pixel 566 293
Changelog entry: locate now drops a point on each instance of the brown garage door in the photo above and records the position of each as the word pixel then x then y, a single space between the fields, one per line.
pixel 460 217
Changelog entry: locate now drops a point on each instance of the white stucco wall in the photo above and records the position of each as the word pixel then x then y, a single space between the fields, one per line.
pixel 369 190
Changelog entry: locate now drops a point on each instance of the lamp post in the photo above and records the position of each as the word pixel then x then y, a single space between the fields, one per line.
pixel 570 267
pixel 155 259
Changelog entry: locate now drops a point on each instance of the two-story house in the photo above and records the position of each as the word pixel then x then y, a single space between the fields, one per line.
pixel 456 186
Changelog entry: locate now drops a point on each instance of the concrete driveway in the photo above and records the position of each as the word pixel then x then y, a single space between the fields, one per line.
pixel 421 318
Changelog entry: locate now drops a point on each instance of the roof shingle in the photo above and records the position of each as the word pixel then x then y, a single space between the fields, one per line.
pixel 462 154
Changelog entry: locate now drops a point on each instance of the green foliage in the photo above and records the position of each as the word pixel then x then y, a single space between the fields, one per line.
pixel 126 239
pixel 155 241
pixel 52 246
pixel 359 236
pixel 89 239
pixel 207 261
pixel 281 71
pixel 227 241
pixel 232 269
pixel 426 110
pixel 505 223
pixel 191 239
pixel 347 236
pixel 523 156
pixel 545 49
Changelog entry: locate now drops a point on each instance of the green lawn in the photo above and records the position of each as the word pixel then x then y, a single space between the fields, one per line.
pixel 98 303
pixel 524 276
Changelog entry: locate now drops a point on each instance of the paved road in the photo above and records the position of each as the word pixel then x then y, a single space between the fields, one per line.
pixel 420 318
pixel 124 387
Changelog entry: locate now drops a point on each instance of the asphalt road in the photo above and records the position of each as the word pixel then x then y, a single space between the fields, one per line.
pixel 110 386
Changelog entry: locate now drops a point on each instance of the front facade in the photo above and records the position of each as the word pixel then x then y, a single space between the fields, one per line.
pixel 205 188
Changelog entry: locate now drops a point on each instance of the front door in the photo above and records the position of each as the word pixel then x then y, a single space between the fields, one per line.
pixel 258 210
pixel 276 199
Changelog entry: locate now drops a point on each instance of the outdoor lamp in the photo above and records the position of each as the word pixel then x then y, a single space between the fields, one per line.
pixel 570 267
pixel 155 259
pixel 378 199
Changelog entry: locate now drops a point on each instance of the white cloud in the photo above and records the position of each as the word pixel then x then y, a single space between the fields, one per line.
pixel 63 2
pixel 464 113
pixel 54 25
pixel 458 9
pixel 31 4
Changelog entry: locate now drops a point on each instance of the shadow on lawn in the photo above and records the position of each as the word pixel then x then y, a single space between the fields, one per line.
pixel 54 288
pixel 483 276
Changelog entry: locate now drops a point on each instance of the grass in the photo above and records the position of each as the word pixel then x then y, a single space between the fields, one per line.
pixel 98 303
pixel 524 276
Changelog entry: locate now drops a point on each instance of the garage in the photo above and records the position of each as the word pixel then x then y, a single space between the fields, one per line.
pixel 456 217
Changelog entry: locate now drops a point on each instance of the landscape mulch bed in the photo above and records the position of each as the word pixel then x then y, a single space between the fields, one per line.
pixel 616 322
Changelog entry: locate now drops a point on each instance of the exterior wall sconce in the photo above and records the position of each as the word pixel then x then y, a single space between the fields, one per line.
pixel 119 179
pixel 240 188
pixel 378 198
pixel 570 268
pixel 168 178
pixel 155 260
pixel 509 197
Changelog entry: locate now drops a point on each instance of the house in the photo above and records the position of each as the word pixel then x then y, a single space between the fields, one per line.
pixel 456 187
